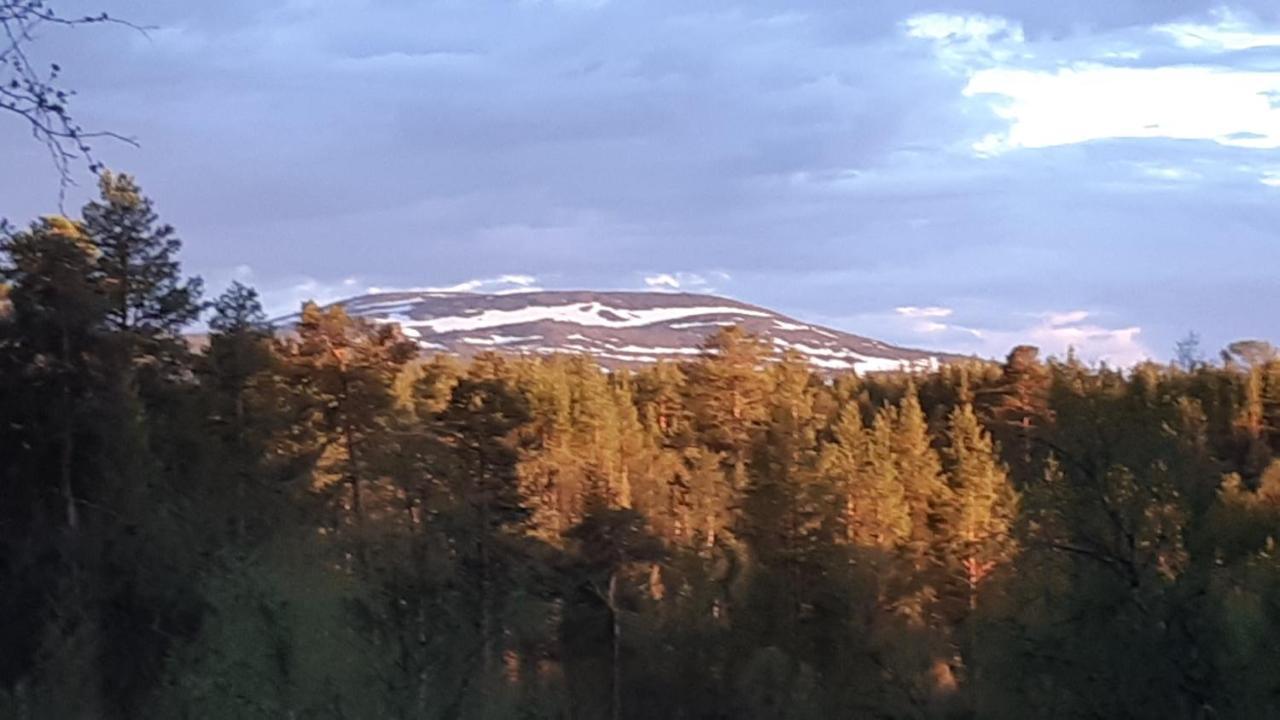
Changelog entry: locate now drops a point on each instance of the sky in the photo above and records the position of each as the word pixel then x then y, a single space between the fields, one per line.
pixel 962 176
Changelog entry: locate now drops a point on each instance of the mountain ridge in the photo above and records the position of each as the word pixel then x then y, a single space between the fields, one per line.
pixel 617 327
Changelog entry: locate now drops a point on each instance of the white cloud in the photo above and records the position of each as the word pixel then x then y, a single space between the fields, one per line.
pixel 522 280
pixel 1091 101
pixel 926 319
pixel 1054 332
pixel 1167 173
pixel 962 41
pixel 912 311
pixel 930 326
pixel 287 296
pixel 1091 342
pixel 662 280
pixel 1229 32
pixel 1053 92
pixel 499 285
pixel 1058 319
pixel 685 281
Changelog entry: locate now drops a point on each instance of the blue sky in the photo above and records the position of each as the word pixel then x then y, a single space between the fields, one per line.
pixel 953 175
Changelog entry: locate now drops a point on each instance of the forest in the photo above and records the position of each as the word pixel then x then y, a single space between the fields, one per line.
pixel 319 522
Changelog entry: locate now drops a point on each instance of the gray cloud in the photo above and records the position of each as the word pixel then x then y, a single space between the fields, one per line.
pixel 810 150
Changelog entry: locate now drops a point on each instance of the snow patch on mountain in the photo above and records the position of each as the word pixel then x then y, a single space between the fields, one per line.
pixel 496 340
pixel 616 328
pixel 593 314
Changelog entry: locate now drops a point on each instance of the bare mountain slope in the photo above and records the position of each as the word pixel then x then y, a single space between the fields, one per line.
pixel 618 328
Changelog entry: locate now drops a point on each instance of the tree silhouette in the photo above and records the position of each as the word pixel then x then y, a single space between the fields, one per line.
pixel 35 92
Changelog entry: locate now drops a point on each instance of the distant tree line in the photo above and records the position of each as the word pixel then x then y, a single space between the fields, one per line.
pixel 324 524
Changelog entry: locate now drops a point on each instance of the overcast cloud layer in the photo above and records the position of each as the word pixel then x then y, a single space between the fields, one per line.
pixel 961 176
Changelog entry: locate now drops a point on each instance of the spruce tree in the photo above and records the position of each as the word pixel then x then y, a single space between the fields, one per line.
pixel 876 513
pixel 239 378
pixel 919 469
pixel 727 392
pixel 727 399
pixel 985 505
pixel 783 501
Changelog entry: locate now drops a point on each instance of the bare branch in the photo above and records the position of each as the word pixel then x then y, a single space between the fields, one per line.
pixel 36 95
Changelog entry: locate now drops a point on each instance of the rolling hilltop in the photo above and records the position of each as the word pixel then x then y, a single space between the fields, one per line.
pixel 620 329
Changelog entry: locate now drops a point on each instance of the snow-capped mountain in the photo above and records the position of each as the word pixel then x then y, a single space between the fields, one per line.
pixel 617 328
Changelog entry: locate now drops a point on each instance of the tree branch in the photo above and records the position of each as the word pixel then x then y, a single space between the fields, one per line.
pixel 37 97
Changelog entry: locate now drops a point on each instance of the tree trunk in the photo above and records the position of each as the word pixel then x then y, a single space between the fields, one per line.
pixel 242 479
pixel 67 451
pixel 486 620
pixel 64 470
pixel 357 501
pixel 615 697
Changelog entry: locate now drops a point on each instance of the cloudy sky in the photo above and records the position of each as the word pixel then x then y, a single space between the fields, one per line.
pixel 954 175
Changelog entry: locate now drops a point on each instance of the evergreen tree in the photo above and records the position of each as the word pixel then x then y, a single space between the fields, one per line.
pixel 610 559
pixel 919 469
pixel 239 378
pixel 53 339
pixel 347 369
pixel 876 513
pixel 1018 408
pixel 728 393
pixel 51 378
pixel 981 520
pixel 148 301
pixel 479 427
pixel 783 502
pixel 148 306
pixel 89 499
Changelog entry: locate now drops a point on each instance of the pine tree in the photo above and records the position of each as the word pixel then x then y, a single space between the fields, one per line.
pixel 1018 408
pixel 480 428
pixel 54 331
pixel 1251 423
pixel 51 376
pixel 728 392
pixel 148 302
pixel 632 447
pixel 239 377
pixel 782 502
pixel 347 369
pixel 101 504
pixel 610 552
pixel 980 526
pixel 985 505
pixel 919 470
pixel 148 306
pixel 876 514
pixel 554 475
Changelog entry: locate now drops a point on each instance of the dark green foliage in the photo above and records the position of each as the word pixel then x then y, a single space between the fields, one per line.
pixel 144 291
pixel 318 523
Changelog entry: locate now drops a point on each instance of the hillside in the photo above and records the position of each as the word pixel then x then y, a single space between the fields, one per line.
pixel 621 329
